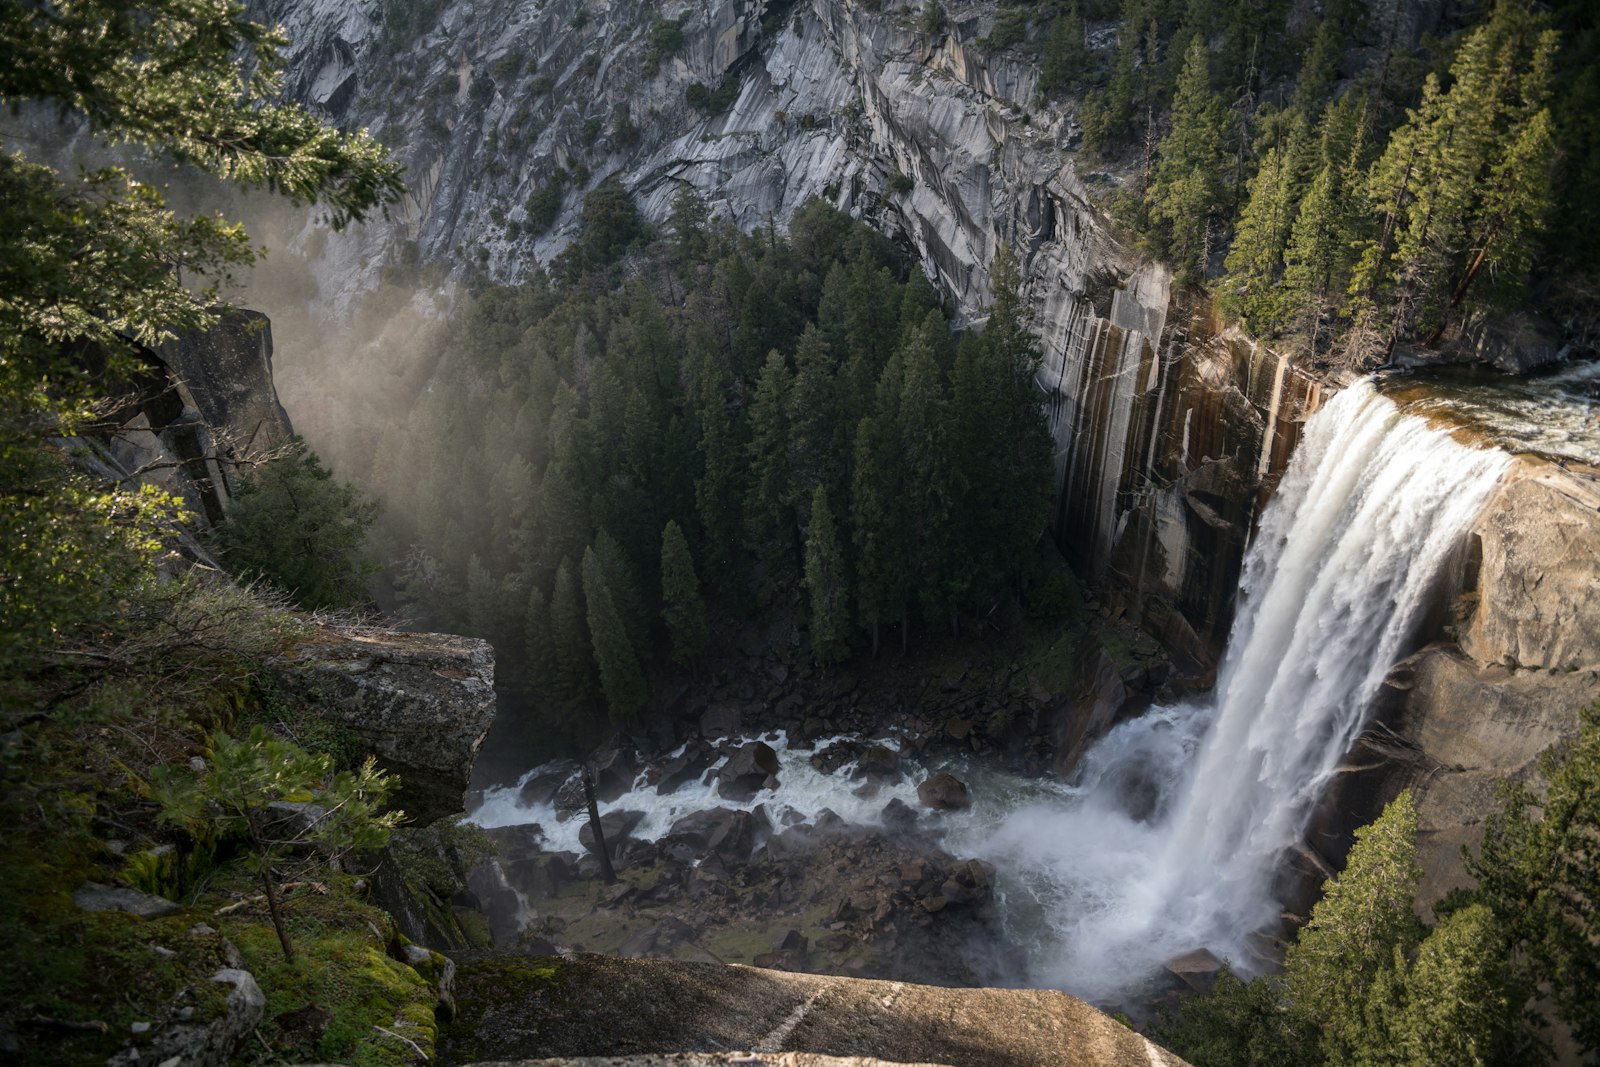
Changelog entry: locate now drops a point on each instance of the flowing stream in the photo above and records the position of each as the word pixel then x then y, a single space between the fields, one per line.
pixel 1169 839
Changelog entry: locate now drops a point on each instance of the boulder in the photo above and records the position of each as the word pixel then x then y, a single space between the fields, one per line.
pixel 720 831
pixel 898 815
pixel 616 825
pixel 1198 969
pixel 684 768
pixel 719 721
pixel 542 788
pixel 92 896
pixel 944 792
pixel 420 703
pixel 879 761
pixel 747 771
pixel 614 771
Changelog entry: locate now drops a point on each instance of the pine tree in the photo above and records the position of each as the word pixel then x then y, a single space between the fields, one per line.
pixel 681 606
pixel 1459 1003
pixel 813 408
pixel 1255 262
pixel 928 483
pixel 620 678
pixel 1186 192
pixel 1363 920
pixel 1066 53
pixel 1462 187
pixel 571 680
pixel 717 492
pixel 1538 869
pixel 769 505
pixel 825 579
pixel 877 522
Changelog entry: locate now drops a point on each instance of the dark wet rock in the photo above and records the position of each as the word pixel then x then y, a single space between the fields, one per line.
pixel 747 771
pixel 92 896
pixel 944 792
pixel 614 771
pixel 830 758
pixel 1198 969
pixel 879 761
pixel 721 831
pixel 720 720
pixel 683 769
pixel 616 825
pixel 898 815
pixel 542 788
pixel 570 799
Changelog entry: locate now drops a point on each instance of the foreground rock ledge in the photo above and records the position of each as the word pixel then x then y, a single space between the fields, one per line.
pixel 641 1012
pixel 420 703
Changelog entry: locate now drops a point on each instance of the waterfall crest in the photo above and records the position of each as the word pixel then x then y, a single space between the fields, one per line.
pixel 1182 815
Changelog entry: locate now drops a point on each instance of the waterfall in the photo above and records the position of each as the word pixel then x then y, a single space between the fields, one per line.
pixel 1182 815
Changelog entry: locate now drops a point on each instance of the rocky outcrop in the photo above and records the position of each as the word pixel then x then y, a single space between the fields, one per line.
pixel 420 703
pixel 600 1006
pixel 1453 721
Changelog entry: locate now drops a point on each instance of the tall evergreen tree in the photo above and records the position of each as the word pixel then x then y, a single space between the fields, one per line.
pixel 1066 53
pixel 829 621
pixel 620 678
pixel 769 506
pixel 1186 193
pixel 571 679
pixel 813 411
pixel 1255 261
pixel 681 606
pixel 1362 922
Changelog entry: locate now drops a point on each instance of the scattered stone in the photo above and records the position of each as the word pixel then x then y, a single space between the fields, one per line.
pixel 92 896
pixel 212 1042
pixel 958 729
pixel 139 1028
pixel 944 792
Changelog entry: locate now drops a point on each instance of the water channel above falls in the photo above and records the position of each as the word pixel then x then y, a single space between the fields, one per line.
pixel 1169 837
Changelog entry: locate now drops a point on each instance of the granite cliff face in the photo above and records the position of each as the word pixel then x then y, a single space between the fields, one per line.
pixel 1166 433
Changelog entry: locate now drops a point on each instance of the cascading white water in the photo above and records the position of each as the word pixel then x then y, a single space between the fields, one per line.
pixel 1182 815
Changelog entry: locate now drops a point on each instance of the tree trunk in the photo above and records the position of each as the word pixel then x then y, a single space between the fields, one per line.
pixel 606 870
pixel 263 853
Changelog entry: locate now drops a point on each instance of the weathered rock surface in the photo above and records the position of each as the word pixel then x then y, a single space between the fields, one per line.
pixel 1539 576
pixel 711 1059
pixel 511 1009
pixel 420 703
pixel 1452 722
pixel 92 896
pixel 207 1044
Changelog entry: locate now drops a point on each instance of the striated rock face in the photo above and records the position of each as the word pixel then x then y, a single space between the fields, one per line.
pixel 516 1008
pixel 1453 721
pixel 420 703
pixel 1539 574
